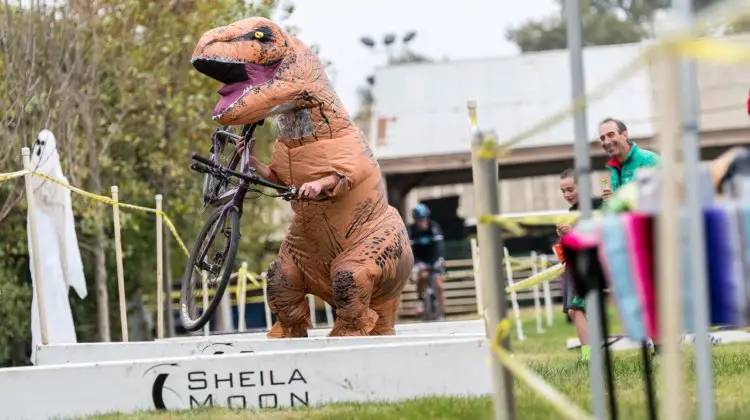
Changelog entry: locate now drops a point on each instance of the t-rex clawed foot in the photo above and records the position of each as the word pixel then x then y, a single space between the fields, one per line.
pixel 286 299
pixel 387 311
pixel 277 331
pixel 351 293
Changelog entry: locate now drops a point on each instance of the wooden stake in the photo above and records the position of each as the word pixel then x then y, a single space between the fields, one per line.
pixel 207 327
pixel 477 277
pixel 242 298
pixel 537 294
pixel 120 271
pixel 313 316
pixel 160 270
pixel 329 315
pixel 265 303
pixel 668 262
pixel 547 295
pixel 513 295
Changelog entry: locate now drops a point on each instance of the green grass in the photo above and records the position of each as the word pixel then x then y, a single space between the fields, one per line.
pixel 546 355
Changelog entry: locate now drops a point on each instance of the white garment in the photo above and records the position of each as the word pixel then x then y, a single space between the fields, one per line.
pixel 60 264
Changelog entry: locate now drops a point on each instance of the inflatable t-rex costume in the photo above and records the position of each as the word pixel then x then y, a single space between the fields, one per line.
pixel 347 245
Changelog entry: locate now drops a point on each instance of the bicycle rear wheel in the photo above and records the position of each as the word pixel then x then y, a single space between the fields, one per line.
pixel 429 305
pixel 212 258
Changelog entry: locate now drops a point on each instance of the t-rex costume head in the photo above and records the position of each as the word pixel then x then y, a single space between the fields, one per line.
pixel 265 71
pixel 351 248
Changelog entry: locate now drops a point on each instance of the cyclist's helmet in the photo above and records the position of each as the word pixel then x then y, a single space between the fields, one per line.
pixel 420 212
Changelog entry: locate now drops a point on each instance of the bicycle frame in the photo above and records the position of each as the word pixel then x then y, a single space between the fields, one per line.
pixel 247 177
pixel 217 146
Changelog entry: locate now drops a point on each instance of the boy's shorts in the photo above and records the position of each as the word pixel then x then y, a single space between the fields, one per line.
pixel 570 299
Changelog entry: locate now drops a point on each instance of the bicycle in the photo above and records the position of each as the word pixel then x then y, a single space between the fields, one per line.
pixel 229 204
pixel 432 309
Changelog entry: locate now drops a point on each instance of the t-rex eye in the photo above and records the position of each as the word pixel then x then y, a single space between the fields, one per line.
pixel 257 35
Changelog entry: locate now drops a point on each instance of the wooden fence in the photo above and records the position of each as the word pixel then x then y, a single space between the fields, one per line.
pixel 460 291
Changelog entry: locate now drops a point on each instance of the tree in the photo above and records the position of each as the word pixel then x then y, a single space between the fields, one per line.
pixel 113 81
pixel 604 22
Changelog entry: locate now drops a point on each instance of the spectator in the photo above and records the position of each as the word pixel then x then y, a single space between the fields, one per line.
pixel 625 155
pixel 574 306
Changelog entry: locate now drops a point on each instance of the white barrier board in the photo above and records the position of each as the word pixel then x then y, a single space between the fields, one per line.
pixel 311 377
pixel 474 326
pixel 54 354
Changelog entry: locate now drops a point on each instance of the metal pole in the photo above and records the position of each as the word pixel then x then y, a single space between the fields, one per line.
pixel 688 88
pixel 668 255
pixel 583 170
pixel 489 236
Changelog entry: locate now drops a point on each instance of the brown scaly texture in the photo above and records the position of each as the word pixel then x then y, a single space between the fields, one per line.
pixel 349 247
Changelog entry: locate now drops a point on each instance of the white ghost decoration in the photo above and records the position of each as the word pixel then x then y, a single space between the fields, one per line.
pixel 60 258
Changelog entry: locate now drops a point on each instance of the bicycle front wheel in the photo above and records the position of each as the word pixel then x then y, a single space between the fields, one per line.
pixel 209 268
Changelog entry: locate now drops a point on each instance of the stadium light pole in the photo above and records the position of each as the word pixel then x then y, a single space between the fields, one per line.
pixel 389 42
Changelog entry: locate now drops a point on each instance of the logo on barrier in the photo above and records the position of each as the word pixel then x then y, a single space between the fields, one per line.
pixel 211 348
pixel 158 388
pixel 176 387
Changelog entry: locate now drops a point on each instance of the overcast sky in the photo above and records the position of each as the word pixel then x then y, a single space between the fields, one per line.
pixel 474 29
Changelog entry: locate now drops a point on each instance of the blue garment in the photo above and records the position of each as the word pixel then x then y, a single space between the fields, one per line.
pixel 614 243
pixel 719 264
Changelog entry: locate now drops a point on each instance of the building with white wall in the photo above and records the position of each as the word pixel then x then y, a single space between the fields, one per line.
pixel 420 124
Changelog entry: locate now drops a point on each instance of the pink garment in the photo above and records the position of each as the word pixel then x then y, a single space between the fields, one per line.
pixel 639 230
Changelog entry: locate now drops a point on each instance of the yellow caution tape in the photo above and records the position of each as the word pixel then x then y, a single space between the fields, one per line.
pixel 522 266
pixel 513 224
pixel 253 277
pixel 12 175
pixel 535 382
pixel 510 225
pixel 249 301
pixel 490 149
pixel 110 201
pixel 712 49
pixel 546 275
pixel 232 289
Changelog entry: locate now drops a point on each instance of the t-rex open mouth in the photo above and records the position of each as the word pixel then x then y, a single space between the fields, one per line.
pixel 238 78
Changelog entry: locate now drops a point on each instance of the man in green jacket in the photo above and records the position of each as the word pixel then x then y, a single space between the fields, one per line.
pixel 625 155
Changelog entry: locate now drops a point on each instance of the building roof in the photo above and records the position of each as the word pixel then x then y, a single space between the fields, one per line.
pixel 420 109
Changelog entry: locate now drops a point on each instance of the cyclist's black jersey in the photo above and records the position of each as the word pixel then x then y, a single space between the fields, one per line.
pixel 427 245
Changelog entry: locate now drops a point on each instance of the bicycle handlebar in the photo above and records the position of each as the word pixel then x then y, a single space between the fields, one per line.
pixel 203 160
pixel 252 178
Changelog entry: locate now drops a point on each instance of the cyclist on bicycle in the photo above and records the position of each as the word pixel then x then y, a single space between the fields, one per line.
pixel 428 247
